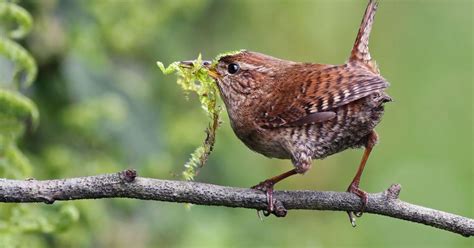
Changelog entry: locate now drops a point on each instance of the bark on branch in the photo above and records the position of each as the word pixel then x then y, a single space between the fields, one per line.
pixel 126 184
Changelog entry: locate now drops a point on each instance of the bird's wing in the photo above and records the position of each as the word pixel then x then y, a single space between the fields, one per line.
pixel 315 90
pixel 314 93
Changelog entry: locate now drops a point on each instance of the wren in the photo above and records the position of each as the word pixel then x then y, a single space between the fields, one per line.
pixel 304 111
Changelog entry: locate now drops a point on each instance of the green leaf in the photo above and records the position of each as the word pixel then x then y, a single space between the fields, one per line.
pixel 174 67
pixel 16 106
pixel 18 15
pixel 24 62
pixel 67 216
pixel 13 163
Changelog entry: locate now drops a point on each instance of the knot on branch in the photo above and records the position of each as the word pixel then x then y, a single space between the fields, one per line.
pixel 47 199
pixel 128 175
pixel 393 192
pixel 280 210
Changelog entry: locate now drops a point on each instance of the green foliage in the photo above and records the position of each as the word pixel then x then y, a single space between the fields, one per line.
pixel 196 79
pixel 16 106
pixel 16 111
pixel 24 63
pixel 19 16
pixel 17 114
pixel 23 219
pixel 88 115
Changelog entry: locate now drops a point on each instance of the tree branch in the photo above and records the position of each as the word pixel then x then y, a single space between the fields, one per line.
pixel 125 184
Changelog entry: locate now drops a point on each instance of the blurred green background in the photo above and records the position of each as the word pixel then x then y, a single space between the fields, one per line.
pixel 105 106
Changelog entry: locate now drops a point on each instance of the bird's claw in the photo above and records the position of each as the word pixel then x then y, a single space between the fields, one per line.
pixel 354 188
pixel 273 206
pixel 267 187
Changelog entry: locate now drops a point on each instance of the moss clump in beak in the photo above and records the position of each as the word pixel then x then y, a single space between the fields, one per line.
pixel 206 64
pixel 199 77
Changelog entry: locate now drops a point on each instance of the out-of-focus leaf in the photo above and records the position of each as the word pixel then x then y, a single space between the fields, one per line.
pixel 89 114
pixel 20 16
pixel 25 66
pixel 68 215
pixel 15 105
pixel 13 163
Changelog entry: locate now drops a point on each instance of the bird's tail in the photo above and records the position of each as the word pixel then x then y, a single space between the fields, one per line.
pixel 360 51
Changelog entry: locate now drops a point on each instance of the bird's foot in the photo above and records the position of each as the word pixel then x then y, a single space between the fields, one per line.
pixel 273 206
pixel 267 187
pixel 354 188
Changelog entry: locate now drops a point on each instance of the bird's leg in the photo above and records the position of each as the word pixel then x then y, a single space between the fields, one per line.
pixel 302 164
pixel 267 187
pixel 372 139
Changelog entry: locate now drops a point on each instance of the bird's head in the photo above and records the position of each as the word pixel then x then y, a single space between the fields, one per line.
pixel 244 72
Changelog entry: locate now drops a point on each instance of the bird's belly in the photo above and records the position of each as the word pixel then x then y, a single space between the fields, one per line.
pixel 352 124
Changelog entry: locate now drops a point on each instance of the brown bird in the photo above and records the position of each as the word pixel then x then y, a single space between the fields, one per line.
pixel 304 111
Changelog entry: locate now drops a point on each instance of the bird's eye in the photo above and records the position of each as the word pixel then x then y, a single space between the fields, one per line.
pixel 233 68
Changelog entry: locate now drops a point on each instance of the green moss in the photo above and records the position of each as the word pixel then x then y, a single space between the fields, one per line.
pixel 219 56
pixel 196 79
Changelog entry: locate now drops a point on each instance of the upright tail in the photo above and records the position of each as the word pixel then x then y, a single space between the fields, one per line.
pixel 360 51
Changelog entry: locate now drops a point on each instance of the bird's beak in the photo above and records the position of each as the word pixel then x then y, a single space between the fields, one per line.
pixel 205 63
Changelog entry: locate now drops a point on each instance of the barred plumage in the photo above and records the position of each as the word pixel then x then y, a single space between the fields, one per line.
pixel 304 111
